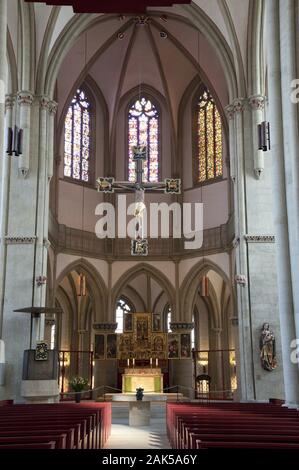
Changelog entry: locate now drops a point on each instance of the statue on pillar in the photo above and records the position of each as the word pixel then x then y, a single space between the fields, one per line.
pixel 267 348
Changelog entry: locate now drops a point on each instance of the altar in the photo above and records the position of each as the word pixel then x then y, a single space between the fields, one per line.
pixel 150 379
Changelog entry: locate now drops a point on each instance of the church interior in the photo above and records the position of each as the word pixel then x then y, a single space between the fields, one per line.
pixel 149 224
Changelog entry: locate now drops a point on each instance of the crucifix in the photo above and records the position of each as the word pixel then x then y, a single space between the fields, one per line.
pixel 139 245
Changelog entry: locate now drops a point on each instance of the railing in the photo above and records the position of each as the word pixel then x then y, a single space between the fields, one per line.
pixel 87 244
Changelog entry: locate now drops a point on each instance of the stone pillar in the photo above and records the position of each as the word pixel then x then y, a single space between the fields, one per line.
pixel 255 276
pixel 280 211
pixel 288 54
pixel 181 370
pixel 215 361
pixel 26 239
pixel 5 159
pixel 105 370
pixel 235 114
pixel 3 68
pixel 5 184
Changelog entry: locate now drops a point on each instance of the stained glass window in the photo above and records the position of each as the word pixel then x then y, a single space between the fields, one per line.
pixel 77 139
pixel 208 139
pixel 144 124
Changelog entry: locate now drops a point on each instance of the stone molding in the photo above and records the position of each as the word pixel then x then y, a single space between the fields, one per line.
pixel 181 327
pixel 260 238
pixel 20 240
pixel 254 102
pixel 107 327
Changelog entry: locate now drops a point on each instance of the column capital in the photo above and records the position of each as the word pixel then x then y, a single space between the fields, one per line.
pixel 257 102
pixel 105 327
pixel 9 101
pixel 44 102
pixel 25 98
pixel 239 105
pixel 52 107
pixel 181 327
pixel 216 331
pixel 229 111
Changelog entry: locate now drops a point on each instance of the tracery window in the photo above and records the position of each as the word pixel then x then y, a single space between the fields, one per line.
pixel 77 129
pixel 123 307
pixel 144 129
pixel 208 139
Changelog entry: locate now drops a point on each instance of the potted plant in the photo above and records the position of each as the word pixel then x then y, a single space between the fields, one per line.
pixel 139 393
pixel 78 385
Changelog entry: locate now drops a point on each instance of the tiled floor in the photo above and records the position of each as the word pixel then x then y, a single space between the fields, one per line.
pixel 124 436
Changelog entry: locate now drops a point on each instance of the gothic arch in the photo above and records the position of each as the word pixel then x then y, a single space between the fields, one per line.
pixel 189 287
pixel 98 289
pixel 125 103
pixel 78 24
pixel 135 271
pixel 96 97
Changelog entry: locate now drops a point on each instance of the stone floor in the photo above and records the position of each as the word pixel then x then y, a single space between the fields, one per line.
pixel 124 436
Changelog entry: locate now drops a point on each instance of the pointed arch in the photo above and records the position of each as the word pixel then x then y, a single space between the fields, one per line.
pixel 207 138
pixel 78 125
pixel 189 287
pixel 97 288
pixel 135 271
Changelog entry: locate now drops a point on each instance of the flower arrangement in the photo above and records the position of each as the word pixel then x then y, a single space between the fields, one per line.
pixel 78 384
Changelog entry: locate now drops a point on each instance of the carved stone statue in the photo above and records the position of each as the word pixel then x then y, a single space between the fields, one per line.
pixel 267 348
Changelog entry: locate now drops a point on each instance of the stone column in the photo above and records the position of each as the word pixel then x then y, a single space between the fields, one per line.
pixel 5 184
pixel 246 372
pixel 3 71
pixel 176 313
pixel 215 367
pixel 255 277
pixel 280 212
pixel 181 370
pixel 105 369
pixel 288 54
pixel 5 163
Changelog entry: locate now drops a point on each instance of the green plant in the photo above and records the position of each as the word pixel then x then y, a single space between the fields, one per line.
pixel 78 384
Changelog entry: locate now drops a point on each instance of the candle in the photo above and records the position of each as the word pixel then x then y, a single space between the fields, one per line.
pixel 133 361
pixel 128 362
pixel 157 362
pixel 151 361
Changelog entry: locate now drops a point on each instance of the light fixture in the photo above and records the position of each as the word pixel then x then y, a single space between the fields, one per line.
pixel 204 287
pixel 81 285
pixel 264 143
pixel 14 141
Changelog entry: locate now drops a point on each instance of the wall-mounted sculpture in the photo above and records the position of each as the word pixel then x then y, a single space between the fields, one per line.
pixel 267 348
